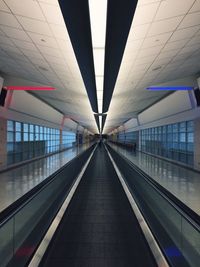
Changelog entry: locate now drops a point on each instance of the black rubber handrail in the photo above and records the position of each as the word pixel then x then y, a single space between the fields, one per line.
pixel 188 214
pixel 16 206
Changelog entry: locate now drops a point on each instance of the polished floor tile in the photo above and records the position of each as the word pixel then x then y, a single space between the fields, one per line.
pixel 17 182
pixel 180 181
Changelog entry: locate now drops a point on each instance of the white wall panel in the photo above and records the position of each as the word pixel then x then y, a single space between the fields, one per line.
pixel 129 125
pixel 70 125
pixel 25 103
pixel 172 109
pixel 171 105
pixel 1 83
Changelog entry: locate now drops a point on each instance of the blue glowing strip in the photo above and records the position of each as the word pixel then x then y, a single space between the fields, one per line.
pixel 172 252
pixel 170 88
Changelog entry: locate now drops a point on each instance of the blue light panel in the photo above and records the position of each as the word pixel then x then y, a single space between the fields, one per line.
pixel 170 88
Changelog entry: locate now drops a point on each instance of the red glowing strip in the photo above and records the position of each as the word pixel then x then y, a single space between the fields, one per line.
pixel 29 88
pixel 25 251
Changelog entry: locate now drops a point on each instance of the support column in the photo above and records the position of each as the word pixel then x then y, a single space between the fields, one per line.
pixel 197 144
pixel 3 142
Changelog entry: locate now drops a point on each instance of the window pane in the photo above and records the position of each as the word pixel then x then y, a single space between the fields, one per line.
pixel 18 137
pixel 182 137
pixel 10 136
pixel 10 125
pixel 25 136
pixel 190 147
pixel 37 136
pixel 182 126
pixel 10 147
pixel 190 137
pixel 18 126
pixel 31 137
pixel 31 128
pixel 175 127
pixel 190 126
pixel 25 127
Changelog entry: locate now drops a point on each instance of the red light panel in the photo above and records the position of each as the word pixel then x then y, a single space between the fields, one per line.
pixel 29 88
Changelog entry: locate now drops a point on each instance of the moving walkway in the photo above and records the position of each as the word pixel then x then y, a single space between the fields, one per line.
pixel 99 227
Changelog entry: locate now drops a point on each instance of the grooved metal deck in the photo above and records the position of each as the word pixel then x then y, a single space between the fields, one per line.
pixel 99 228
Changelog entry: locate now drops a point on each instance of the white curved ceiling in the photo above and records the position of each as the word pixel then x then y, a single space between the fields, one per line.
pixel 163 45
pixel 35 45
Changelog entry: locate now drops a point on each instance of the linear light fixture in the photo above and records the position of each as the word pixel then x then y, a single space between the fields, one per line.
pixel 29 88
pixel 98 14
pixel 100 123
pixel 169 88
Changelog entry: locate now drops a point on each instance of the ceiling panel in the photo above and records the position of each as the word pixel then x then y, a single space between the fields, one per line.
pixel 52 14
pixel 43 40
pixel 23 44
pixel 175 45
pixel 28 8
pixel 156 40
pixel 189 20
pixel 3 6
pixel 149 11
pixel 171 8
pixel 169 50
pixel 9 20
pixel 50 2
pixel 33 25
pixel 162 26
pixel 138 32
pixel 36 46
pixel 184 33
pixel 15 33
pixel 196 6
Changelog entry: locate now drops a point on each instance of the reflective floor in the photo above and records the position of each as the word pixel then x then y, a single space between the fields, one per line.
pixel 16 182
pixel 182 182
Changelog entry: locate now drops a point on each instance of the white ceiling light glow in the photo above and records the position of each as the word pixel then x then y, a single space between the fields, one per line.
pixel 98 13
pixel 100 123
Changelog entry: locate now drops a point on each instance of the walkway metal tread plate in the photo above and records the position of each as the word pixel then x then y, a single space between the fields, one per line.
pixel 99 228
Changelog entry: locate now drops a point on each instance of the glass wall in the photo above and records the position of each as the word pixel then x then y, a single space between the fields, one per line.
pixel 68 139
pixel 173 141
pixel 26 141
pixel 128 137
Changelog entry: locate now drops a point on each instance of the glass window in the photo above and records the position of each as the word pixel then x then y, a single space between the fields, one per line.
pixel 10 147
pixel 37 136
pixel 175 141
pixel 25 127
pixel 190 126
pixel 182 137
pixel 31 128
pixel 10 137
pixel 25 137
pixel 30 140
pixel 18 137
pixel 18 126
pixel 190 137
pixel 31 136
pixel 190 147
pixel 175 128
pixel 182 126
pixel 10 125
pixel 175 137
pixel 169 128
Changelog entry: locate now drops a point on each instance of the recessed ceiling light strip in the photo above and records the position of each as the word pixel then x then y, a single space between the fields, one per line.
pixel 98 14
